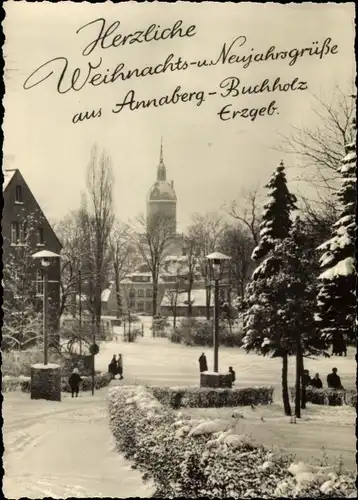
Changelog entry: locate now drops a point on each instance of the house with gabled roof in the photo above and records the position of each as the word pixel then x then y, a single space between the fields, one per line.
pixel 25 229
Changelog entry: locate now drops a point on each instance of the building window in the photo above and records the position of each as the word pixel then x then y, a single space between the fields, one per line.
pixel 140 293
pixel 39 282
pixel 140 306
pixel 17 233
pixel 149 307
pixel 149 293
pixel 18 194
pixel 40 236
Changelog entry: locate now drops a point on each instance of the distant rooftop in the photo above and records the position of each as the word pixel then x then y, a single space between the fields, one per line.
pixel 8 175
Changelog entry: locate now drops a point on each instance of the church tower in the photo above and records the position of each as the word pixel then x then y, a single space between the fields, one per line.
pixel 161 199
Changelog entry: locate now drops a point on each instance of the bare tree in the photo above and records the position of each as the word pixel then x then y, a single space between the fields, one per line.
pixel 246 212
pixel 153 241
pixel 97 221
pixel 208 229
pixel 124 258
pixel 320 150
pixel 192 252
pixel 74 254
pixel 237 241
pixel 173 294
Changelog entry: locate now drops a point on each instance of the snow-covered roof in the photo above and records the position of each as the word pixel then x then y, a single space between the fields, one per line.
pixel 198 298
pixel 8 175
pixel 105 295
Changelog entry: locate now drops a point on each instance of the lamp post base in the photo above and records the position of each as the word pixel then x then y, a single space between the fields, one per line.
pixel 216 380
pixel 46 382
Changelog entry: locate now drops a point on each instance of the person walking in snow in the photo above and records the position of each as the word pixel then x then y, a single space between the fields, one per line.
pixel 112 367
pixel 203 364
pixel 316 382
pixel 306 379
pixel 334 380
pixel 74 382
pixel 120 366
pixel 233 375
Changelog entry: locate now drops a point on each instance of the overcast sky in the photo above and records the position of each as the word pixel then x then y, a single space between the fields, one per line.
pixel 210 160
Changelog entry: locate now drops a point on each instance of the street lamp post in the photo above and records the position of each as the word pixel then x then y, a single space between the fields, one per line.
pixel 46 377
pixel 46 258
pixel 216 263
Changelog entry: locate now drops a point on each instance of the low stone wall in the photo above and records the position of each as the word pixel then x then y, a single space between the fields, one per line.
pixel 46 382
pixel 215 380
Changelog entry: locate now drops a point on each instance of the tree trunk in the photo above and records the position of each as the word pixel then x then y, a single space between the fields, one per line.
pixel 118 299
pixel 229 311
pixel 154 301
pixel 190 307
pixel 303 394
pixel 285 396
pixel 208 297
pixel 298 378
pixel 175 316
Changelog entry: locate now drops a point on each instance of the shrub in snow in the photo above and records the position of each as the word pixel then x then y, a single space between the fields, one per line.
pixel 205 397
pixel 214 463
pixel 329 396
pixel 17 363
pixel 10 384
pixel 100 380
pixel 192 331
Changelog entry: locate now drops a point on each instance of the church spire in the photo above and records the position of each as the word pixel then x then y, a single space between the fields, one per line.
pixel 161 171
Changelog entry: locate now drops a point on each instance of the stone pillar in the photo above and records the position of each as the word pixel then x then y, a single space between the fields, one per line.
pixel 216 380
pixel 46 382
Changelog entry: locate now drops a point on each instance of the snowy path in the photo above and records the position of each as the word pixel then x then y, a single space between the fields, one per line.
pixel 65 449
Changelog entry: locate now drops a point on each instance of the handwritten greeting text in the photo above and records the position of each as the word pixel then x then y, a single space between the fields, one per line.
pixel 232 53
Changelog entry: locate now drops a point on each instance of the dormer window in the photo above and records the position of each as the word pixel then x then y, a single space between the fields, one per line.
pixel 18 194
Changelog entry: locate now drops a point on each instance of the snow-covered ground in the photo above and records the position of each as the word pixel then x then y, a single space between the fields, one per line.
pixel 66 449
pixel 322 430
pixel 62 450
pixel 158 361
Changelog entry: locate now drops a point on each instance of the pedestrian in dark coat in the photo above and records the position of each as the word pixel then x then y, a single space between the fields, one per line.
pixel 334 380
pixel 120 366
pixel 112 367
pixel 306 379
pixel 203 364
pixel 316 382
pixel 233 375
pixel 74 382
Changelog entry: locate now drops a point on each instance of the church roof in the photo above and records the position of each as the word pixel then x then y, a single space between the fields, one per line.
pixel 162 190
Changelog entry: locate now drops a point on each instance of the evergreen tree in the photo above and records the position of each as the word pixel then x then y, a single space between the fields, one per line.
pixel 281 299
pixel 336 298
pixel 276 222
pixel 263 326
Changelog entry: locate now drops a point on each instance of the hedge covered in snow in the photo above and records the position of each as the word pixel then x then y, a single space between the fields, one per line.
pixel 10 384
pixel 192 458
pixel 24 383
pixel 203 397
pixel 330 397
